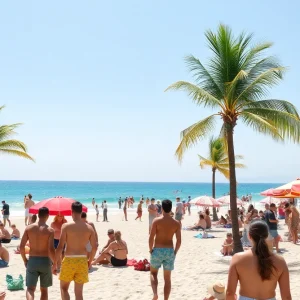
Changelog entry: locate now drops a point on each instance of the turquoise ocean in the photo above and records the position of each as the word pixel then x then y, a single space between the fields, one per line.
pixel 13 192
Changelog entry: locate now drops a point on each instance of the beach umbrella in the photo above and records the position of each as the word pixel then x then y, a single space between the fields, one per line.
pixel 269 200
pixel 295 190
pixel 225 200
pixel 268 192
pixel 288 190
pixel 56 205
pixel 206 201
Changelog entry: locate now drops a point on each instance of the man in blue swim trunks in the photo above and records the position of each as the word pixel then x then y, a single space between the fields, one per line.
pixel 272 222
pixel 162 249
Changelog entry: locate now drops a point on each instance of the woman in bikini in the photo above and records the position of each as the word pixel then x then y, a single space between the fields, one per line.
pixel 115 253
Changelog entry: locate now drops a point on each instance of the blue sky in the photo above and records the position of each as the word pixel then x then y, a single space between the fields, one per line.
pixel 87 80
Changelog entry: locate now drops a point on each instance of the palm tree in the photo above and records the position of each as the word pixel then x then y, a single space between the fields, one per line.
pixel 218 161
pixel 234 84
pixel 12 146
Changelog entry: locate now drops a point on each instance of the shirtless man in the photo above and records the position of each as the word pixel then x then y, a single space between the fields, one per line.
pixel 28 202
pixel 294 221
pixel 161 247
pixel 4 234
pixel 41 255
pixel 152 209
pixel 4 257
pixel 75 265
pixel 89 246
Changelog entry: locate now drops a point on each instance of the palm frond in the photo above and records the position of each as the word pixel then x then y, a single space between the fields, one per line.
pixel 191 135
pixel 205 162
pixel 258 87
pixel 286 125
pixel 274 104
pixel 203 77
pixel 7 131
pixel 198 94
pixel 13 144
pixel 224 172
pixel 16 153
pixel 260 124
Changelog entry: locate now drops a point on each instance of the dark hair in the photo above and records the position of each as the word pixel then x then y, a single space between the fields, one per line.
pixel 273 205
pixel 3 201
pixel 29 196
pixel 43 212
pixel 207 211
pixel 259 232
pixel 83 215
pixel 166 205
pixel 250 208
pixel 287 205
pixel 104 201
pixel 77 207
pixel 201 216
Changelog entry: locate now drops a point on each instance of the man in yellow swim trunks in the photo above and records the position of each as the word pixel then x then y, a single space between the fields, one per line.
pixel 75 265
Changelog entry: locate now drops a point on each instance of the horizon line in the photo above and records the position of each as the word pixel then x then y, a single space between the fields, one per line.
pixel 121 181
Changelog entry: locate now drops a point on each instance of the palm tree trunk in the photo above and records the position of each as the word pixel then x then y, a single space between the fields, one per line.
pixel 215 216
pixel 233 195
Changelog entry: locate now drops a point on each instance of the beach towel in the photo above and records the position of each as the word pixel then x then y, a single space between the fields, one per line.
pixel 131 262
pixel 142 265
pixel 200 236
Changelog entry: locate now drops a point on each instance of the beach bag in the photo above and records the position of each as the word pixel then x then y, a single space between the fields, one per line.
pixel 139 266
pixel 14 284
pixel 146 265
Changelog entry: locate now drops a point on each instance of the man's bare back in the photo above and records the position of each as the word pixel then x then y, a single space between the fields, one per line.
pixel 166 227
pixel 76 236
pixel 246 266
pixel 41 239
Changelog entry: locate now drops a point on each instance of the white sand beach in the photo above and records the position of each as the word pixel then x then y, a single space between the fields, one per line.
pixel 198 263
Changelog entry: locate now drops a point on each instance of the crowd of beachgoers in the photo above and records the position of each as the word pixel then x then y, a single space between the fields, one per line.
pixel 71 248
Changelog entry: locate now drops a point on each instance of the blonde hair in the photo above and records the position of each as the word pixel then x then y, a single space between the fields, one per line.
pixel 63 220
pixel 118 235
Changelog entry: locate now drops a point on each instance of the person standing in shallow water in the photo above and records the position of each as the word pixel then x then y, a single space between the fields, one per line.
pixel 263 267
pixel 162 249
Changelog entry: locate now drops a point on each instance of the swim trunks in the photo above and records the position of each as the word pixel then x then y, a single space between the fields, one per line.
pixel 274 233
pixel 5 241
pixel 246 298
pixel 38 267
pixel 178 217
pixel 118 262
pixel 27 214
pixel 163 256
pixel 74 268
pixel 3 263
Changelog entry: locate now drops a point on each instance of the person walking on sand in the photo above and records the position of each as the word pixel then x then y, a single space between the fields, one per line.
pixel 28 202
pixel 161 248
pixel 105 211
pixel 89 246
pixel 152 209
pixel 97 212
pixel 125 209
pixel 41 255
pixel 179 210
pixel 5 213
pixel 263 267
pixel 139 211
pixel 273 225
pixel 75 265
